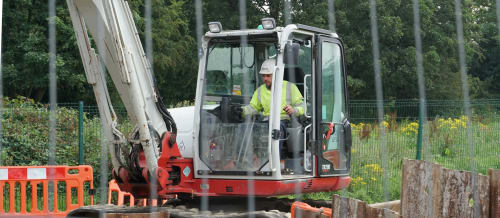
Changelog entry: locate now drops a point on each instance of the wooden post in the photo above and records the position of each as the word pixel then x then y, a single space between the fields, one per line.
pixel 353 208
pixel 494 193
pixel 430 190
pixel 417 185
pixel 347 207
pixel 391 205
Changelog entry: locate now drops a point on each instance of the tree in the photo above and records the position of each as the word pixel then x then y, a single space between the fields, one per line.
pixel 397 44
pixel 174 48
pixel 25 54
pixel 26 58
pixel 485 66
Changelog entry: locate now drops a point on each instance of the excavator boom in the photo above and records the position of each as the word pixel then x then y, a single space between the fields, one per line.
pixel 119 49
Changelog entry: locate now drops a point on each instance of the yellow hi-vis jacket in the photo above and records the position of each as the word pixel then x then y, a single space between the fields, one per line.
pixel 261 101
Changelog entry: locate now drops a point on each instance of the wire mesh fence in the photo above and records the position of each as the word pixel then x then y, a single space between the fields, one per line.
pixel 26 138
pixel 447 141
pixel 458 134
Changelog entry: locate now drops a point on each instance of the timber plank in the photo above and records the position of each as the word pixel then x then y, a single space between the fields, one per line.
pixel 430 190
pixel 494 193
pixel 420 181
pixel 343 207
pixel 391 205
pixel 458 194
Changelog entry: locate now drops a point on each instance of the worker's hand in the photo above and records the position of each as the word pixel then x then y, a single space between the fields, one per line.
pixel 237 113
pixel 289 110
pixel 237 110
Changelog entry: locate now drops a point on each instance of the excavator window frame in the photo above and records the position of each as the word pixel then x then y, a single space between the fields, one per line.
pixel 262 171
pixel 330 171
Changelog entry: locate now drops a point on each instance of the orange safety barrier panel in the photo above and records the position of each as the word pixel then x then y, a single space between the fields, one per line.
pixel 37 179
pixel 113 187
pixel 301 209
pixel 122 197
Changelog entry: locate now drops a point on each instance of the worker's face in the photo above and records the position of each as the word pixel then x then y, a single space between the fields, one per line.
pixel 268 80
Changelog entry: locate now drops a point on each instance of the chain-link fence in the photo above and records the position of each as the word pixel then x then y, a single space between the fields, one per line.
pixel 26 131
pixel 445 134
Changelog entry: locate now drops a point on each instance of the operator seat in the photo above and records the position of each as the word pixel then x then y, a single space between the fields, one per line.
pixel 296 76
pixel 295 141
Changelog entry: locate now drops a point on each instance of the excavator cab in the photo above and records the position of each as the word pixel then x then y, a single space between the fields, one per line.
pixel 231 145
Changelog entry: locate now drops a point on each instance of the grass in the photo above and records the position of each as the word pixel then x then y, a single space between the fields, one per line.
pixel 448 146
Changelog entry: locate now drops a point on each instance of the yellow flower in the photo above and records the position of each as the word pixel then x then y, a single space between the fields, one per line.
pixel 374 167
pixel 357 126
pixel 356 180
pixel 373 179
pixel 463 118
pixel 385 123
pixel 411 128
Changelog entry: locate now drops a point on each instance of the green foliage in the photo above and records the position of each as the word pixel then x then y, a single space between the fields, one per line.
pixel 397 44
pixel 174 49
pixel 26 127
pixel 25 56
pixel 25 135
pixel 448 146
pixel 25 53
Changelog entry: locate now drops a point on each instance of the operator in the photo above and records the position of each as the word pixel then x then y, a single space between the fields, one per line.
pixel 291 99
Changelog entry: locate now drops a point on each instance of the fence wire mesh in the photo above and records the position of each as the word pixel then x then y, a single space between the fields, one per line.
pixel 446 122
pixel 459 134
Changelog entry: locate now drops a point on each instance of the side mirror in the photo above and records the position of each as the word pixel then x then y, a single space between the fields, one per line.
pixel 291 54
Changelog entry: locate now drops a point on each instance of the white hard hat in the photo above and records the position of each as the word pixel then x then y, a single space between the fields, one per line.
pixel 268 66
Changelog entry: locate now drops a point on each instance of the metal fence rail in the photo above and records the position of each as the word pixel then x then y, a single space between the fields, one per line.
pixel 26 126
pixel 366 110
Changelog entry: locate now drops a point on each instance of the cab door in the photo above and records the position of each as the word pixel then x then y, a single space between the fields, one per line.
pixel 330 122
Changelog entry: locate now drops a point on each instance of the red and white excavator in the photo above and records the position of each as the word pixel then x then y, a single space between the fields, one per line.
pixel 208 149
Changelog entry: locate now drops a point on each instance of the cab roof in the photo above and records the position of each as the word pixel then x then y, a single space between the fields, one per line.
pixel 248 32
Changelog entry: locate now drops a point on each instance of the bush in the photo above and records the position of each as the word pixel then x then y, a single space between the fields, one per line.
pixel 26 131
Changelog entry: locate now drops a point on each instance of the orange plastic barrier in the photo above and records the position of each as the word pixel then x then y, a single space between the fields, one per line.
pixel 301 209
pixel 113 187
pixel 37 179
pixel 122 196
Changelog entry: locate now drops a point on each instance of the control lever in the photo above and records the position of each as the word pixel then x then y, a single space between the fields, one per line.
pixel 294 120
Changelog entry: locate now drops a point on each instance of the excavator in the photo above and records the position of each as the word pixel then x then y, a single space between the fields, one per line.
pixel 209 149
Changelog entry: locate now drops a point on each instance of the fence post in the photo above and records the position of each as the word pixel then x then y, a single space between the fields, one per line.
pixel 80 132
pixel 419 139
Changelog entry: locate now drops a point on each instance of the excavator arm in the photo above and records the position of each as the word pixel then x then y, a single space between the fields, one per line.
pixel 121 54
